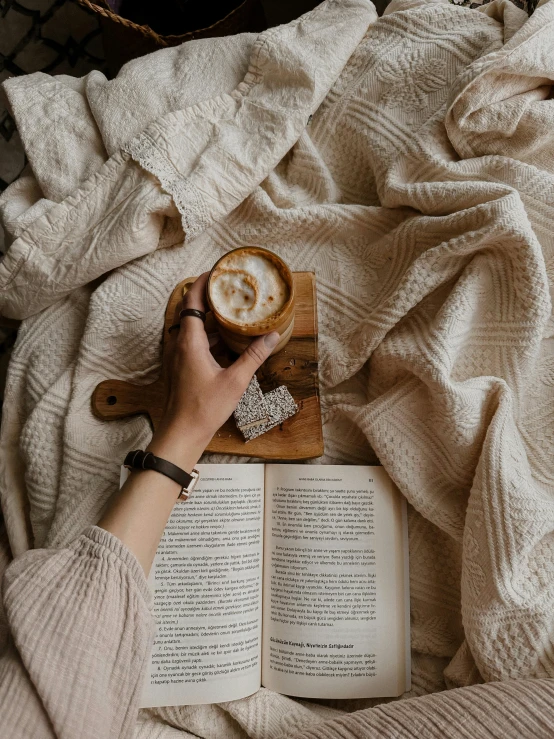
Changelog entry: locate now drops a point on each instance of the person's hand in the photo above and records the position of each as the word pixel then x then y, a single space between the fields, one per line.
pixel 201 395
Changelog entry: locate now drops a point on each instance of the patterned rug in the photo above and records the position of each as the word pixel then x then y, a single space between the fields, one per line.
pixel 527 5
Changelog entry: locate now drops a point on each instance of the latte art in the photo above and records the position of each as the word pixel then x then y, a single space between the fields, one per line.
pixel 247 288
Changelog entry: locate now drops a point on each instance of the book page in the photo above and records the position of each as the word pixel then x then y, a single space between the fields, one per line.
pixel 336 611
pixel 207 586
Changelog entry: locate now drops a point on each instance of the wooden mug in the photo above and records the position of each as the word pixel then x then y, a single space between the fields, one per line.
pixel 238 336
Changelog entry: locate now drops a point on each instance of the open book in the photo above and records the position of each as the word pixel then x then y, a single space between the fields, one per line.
pixel 290 576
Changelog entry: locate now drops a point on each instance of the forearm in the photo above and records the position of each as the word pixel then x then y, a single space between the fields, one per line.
pixel 139 512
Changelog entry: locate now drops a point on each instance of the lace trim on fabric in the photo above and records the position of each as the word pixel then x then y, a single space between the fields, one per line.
pixel 187 198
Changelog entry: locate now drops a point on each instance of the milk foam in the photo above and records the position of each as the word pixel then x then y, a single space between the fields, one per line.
pixel 247 288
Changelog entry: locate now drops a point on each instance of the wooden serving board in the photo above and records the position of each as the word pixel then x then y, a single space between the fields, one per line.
pixel 296 366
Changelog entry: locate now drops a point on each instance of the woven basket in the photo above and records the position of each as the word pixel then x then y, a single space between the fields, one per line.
pixel 125 40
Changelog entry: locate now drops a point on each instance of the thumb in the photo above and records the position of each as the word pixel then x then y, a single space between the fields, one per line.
pixel 253 356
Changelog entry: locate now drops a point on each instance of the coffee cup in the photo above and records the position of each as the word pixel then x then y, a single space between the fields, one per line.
pixel 250 292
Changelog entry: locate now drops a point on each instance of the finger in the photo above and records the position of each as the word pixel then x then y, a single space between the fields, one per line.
pixel 253 356
pixel 195 297
pixel 169 343
pixel 170 339
pixel 175 322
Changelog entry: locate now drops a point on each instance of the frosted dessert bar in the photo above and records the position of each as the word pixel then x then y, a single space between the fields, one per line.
pixel 252 409
pixel 280 406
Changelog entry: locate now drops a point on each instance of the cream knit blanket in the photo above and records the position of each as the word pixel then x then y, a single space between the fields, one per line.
pixel 409 161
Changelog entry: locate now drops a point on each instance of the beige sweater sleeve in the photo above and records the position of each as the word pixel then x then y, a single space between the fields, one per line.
pixel 79 633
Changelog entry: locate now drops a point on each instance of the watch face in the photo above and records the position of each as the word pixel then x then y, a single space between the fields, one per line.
pixel 187 492
pixel 195 475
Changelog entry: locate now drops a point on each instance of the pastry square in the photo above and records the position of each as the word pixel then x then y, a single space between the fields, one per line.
pixel 251 410
pixel 280 406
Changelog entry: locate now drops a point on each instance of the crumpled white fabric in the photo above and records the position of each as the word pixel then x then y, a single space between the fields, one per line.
pixel 408 160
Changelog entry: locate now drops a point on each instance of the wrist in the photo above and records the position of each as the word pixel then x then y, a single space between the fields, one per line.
pixel 183 449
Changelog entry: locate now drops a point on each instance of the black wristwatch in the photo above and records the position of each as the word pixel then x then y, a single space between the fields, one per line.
pixel 139 460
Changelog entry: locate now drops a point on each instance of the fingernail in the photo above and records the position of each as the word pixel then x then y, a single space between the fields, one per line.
pixel 271 340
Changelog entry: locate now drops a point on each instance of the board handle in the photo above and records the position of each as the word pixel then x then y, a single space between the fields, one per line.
pixel 114 399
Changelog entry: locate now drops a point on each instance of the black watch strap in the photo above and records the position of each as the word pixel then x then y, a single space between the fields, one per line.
pixel 139 460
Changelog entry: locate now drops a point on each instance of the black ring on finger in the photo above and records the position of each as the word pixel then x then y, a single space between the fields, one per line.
pixel 175 327
pixel 193 312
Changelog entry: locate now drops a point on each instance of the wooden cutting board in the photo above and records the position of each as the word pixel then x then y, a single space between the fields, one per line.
pixel 296 366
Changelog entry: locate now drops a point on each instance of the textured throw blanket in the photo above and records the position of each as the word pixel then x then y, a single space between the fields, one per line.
pixel 409 161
